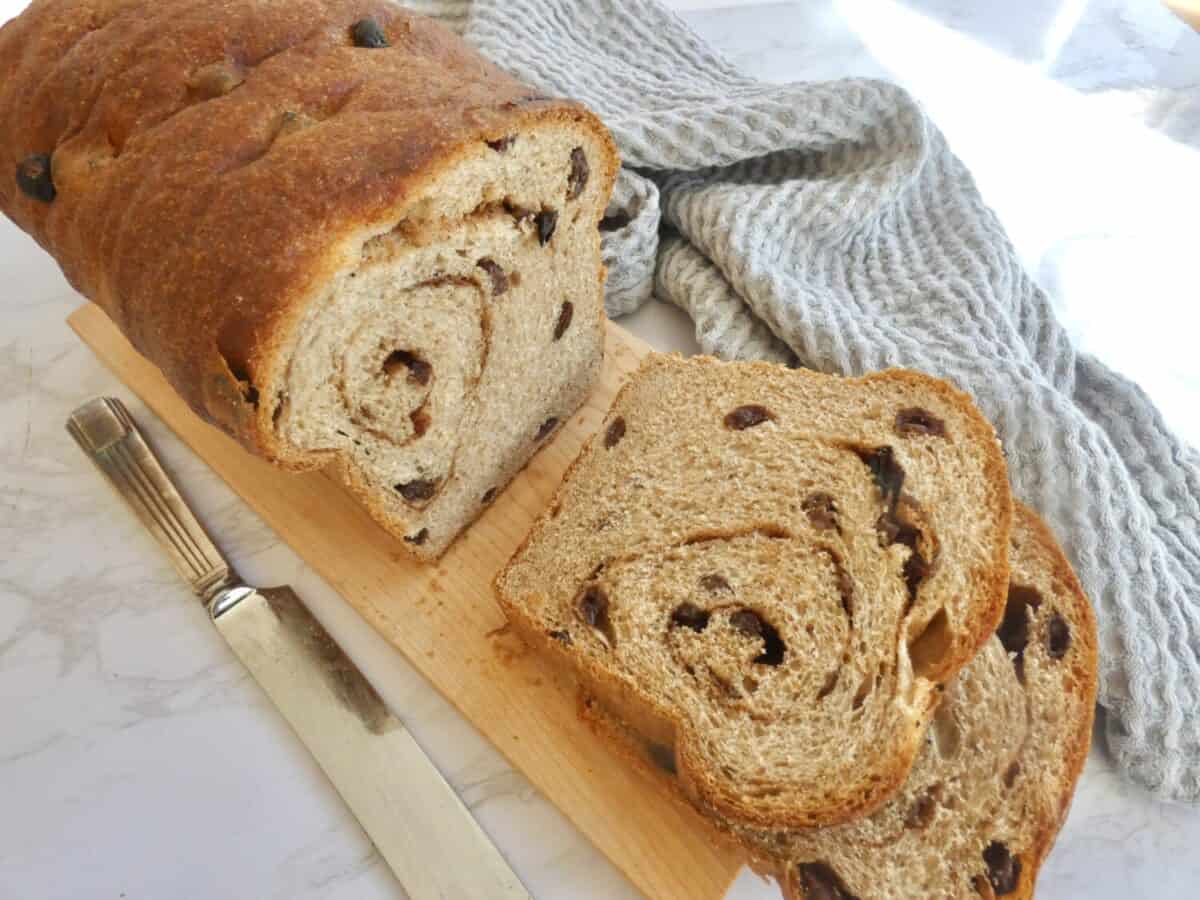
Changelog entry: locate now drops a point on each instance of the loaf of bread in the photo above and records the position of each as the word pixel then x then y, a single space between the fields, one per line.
pixel 769 574
pixel 991 788
pixel 343 236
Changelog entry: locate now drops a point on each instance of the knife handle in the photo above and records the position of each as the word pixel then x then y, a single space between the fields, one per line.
pixel 105 431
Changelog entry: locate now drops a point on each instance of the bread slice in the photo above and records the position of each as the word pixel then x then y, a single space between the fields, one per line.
pixel 346 238
pixel 769 574
pixel 992 786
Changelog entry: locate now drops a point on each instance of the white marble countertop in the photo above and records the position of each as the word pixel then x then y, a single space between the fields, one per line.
pixel 138 760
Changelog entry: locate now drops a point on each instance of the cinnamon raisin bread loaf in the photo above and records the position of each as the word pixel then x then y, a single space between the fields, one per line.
pixel 769 574
pixel 343 236
pixel 991 788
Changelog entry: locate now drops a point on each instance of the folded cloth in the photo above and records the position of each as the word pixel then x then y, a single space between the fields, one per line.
pixel 829 224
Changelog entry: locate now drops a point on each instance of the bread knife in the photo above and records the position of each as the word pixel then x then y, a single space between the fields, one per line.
pixel 421 828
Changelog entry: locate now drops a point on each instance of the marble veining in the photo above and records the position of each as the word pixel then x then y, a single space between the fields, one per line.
pixel 137 758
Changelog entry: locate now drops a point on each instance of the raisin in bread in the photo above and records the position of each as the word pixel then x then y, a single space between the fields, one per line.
pixel 991 788
pixel 343 236
pixel 769 573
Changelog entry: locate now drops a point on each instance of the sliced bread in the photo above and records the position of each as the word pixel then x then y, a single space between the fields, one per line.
pixel 770 573
pixel 991 788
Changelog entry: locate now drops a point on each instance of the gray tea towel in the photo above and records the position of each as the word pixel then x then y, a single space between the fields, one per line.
pixel 829 224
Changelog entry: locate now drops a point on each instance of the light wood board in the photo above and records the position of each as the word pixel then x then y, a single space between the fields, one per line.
pixel 443 618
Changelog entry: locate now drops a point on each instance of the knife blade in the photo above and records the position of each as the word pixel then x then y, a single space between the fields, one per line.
pixel 422 829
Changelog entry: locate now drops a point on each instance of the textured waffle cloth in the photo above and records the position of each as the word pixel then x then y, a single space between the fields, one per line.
pixel 829 224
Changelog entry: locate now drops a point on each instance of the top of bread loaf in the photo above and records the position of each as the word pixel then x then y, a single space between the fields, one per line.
pixel 233 156
pixel 773 572
pixel 992 786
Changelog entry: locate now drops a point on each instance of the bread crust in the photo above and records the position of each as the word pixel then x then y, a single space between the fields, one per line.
pixel 185 208
pixel 1084 684
pixel 704 788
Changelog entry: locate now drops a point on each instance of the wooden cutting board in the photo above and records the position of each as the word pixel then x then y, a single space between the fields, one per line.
pixel 444 620
pixel 1188 10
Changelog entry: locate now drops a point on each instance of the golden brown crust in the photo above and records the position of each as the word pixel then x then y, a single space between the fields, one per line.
pixel 187 206
pixel 706 790
pixel 1085 674
pixel 1084 683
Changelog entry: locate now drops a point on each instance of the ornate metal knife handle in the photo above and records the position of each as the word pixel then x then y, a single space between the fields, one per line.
pixel 105 431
